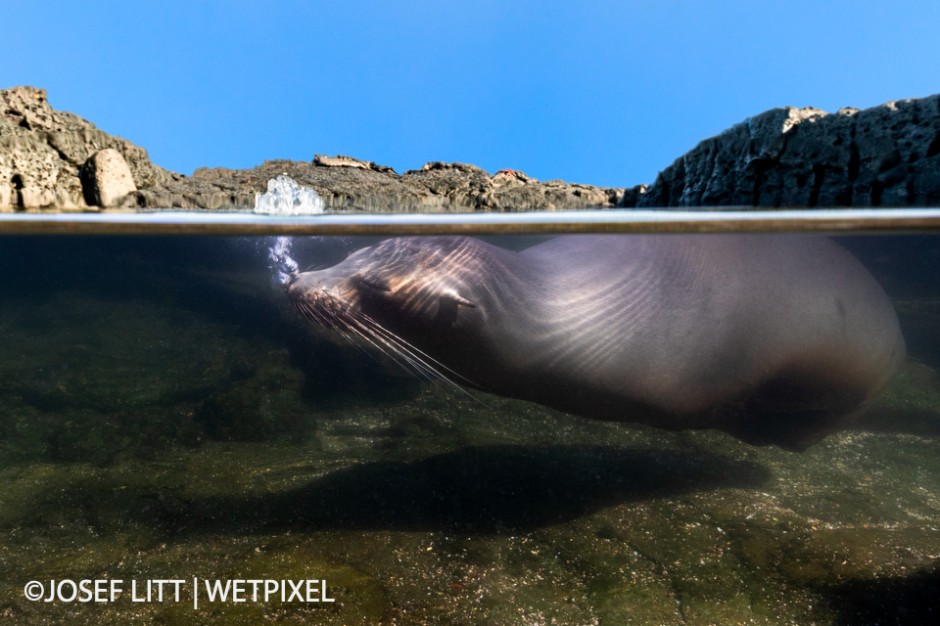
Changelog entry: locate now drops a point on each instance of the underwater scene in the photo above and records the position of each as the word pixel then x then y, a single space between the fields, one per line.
pixel 573 430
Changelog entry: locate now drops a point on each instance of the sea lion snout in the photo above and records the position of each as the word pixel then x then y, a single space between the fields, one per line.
pixel 318 298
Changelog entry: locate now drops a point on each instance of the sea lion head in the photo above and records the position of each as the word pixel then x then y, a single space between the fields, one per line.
pixel 393 297
pixel 416 282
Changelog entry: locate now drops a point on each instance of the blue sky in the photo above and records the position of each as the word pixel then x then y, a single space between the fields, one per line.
pixel 602 92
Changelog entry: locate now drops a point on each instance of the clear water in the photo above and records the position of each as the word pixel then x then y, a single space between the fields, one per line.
pixel 164 414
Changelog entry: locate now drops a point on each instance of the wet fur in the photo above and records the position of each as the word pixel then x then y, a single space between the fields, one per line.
pixel 774 339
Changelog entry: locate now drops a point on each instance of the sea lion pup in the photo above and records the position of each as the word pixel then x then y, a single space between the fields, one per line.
pixel 772 338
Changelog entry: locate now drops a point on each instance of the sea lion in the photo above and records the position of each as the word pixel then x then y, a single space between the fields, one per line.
pixel 772 338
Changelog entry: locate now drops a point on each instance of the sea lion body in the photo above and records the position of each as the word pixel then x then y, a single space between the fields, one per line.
pixel 772 338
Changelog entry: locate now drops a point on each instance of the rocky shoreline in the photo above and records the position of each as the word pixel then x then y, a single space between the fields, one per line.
pixel 351 184
pixel 883 156
pixel 787 157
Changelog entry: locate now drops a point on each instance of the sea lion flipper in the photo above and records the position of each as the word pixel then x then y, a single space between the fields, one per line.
pixel 452 294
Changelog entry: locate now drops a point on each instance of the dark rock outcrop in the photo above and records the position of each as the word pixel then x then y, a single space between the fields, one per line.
pixel 882 156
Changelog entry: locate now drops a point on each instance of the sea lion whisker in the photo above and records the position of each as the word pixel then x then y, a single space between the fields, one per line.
pixel 306 311
pixel 313 314
pixel 327 318
pixel 418 353
pixel 353 336
pixel 422 364
pixel 356 330
pixel 368 330
pixel 394 351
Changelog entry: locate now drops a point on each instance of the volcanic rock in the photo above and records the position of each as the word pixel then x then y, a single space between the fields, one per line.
pixel 883 156
pixel 107 179
pixel 436 187
pixel 43 150
pixel 787 157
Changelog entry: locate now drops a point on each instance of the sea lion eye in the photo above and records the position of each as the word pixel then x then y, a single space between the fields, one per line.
pixel 374 282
